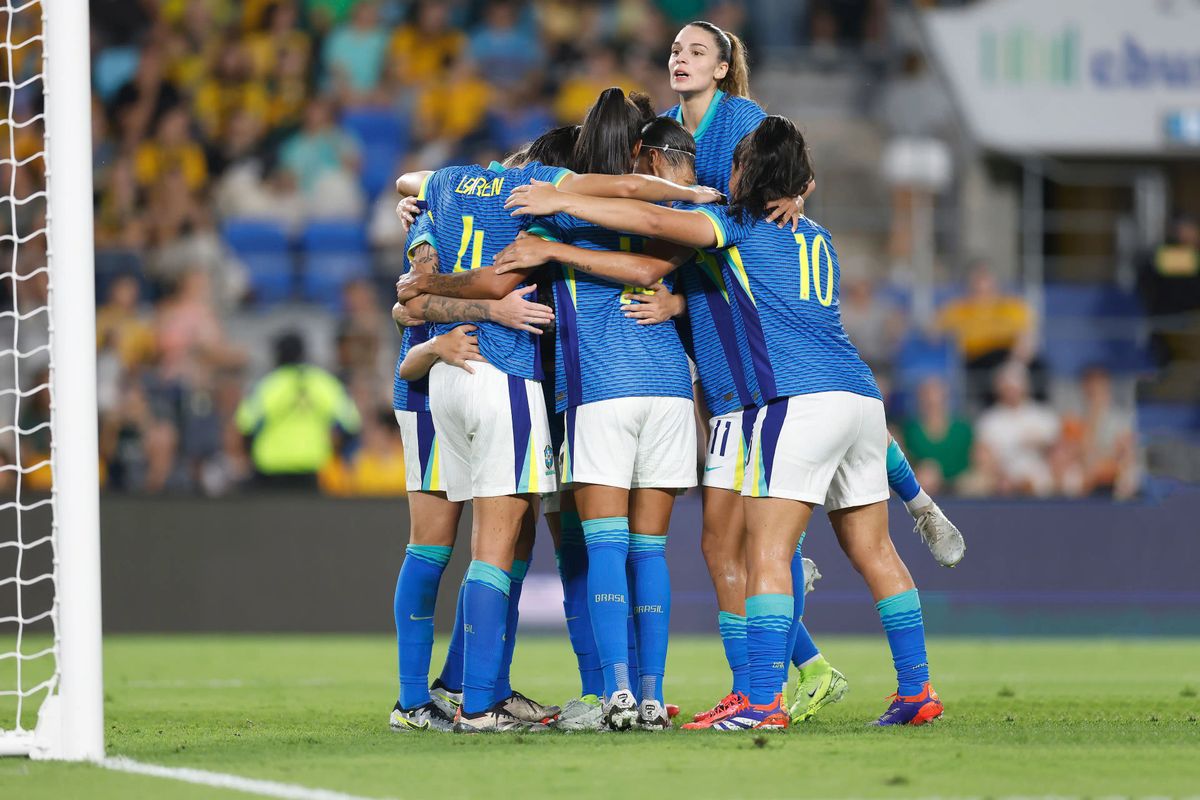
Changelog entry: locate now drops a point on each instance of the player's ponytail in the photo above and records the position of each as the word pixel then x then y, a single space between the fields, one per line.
pixel 609 133
pixel 732 51
pixel 737 81
pixel 772 162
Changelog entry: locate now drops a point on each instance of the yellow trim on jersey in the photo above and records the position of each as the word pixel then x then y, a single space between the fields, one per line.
pixel 570 275
pixel 424 185
pixel 708 262
pixel 561 177
pixel 716 223
pixel 739 270
pixel 739 469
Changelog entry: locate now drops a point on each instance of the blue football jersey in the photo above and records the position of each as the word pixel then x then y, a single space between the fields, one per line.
pixel 414 395
pixel 472 225
pixel 718 337
pixel 786 286
pixel 600 354
pixel 726 123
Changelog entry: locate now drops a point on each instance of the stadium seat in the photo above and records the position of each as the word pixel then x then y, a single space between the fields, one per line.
pixel 334 252
pixel 1156 420
pixel 1089 300
pixel 263 247
pixel 378 169
pixel 376 125
pixel 919 357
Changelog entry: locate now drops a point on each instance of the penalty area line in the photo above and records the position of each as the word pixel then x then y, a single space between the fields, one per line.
pixel 222 780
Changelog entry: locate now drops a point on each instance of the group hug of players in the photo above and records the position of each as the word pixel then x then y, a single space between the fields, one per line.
pixel 682 282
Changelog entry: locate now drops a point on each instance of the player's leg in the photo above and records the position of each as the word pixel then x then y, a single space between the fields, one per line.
pixel 433 524
pixel 513 701
pixel 665 463
pixel 650 592
pixel 570 552
pixel 599 454
pixel 940 535
pixel 818 684
pixel 857 504
pixel 773 527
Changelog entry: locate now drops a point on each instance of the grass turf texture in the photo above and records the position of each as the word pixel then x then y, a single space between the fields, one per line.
pixel 1030 717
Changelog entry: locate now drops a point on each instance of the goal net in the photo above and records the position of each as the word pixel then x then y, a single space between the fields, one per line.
pixel 50 696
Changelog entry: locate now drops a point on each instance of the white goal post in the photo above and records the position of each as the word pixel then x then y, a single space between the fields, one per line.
pixel 69 721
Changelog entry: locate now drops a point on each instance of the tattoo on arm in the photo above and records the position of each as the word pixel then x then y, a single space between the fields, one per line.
pixel 451 285
pixel 424 259
pixel 452 309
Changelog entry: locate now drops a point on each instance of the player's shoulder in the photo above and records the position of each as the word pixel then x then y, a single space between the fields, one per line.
pixel 742 108
pixel 809 224
pixel 672 112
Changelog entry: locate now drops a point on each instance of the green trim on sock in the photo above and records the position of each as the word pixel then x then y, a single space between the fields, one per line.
pixel 490 575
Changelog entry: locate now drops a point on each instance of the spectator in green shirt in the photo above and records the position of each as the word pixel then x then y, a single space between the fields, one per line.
pixel 937 442
pixel 290 418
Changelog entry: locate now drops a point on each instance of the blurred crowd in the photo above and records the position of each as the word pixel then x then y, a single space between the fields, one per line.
pixel 211 110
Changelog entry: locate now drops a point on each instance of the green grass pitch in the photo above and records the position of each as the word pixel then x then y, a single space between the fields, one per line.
pixel 1023 717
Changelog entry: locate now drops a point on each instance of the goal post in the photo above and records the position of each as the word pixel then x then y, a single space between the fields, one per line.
pixel 69 722
pixel 79 704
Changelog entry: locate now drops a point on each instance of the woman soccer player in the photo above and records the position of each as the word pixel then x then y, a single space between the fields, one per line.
pixel 708 70
pixel 820 435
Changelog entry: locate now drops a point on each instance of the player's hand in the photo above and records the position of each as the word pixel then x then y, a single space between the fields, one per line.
pixel 786 211
pixel 515 312
pixel 659 305
pixel 702 195
pixel 523 253
pixel 404 319
pixel 409 286
pixel 458 347
pixel 537 199
pixel 406 212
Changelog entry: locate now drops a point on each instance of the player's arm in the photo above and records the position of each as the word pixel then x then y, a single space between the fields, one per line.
pixel 410 183
pixel 650 188
pixel 688 228
pixel 456 348
pixel 642 270
pixel 511 311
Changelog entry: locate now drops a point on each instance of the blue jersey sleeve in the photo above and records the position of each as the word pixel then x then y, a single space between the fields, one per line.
pixel 541 172
pixel 420 233
pixel 729 228
pixel 556 228
pixel 745 115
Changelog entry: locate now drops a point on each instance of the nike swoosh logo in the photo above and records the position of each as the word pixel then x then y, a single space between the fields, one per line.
pixel 710 469
pixel 415 618
pixel 812 694
pixel 571 619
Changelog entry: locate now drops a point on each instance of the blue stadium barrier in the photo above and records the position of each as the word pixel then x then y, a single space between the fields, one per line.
pixel 384 137
pixel 264 247
pixel 1162 420
pixel 919 357
pixel 379 168
pixel 1089 300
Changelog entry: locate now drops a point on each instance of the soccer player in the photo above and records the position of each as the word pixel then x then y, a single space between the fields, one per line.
pixel 433 518
pixel 820 435
pixel 709 72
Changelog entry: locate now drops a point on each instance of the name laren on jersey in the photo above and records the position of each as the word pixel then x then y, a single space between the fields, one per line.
pixel 479 186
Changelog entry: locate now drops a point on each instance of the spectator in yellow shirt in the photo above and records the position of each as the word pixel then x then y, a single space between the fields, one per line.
pixel 989 327
pixel 171 149
pixel 578 92
pixel 455 108
pixel 421 49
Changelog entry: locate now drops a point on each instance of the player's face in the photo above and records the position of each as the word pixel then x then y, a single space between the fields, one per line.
pixel 695 63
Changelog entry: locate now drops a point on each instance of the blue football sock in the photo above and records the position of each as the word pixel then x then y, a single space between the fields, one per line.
pixel 573 570
pixel 485 613
pixel 768 623
pixel 416 595
pixel 903 481
pixel 901 617
pixel 504 688
pixel 608 596
pixel 800 644
pixel 631 661
pixel 651 593
pixel 733 636
pixel 452 670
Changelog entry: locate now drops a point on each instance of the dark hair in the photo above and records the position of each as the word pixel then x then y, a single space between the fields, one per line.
pixel 672 140
pixel 554 148
pixel 289 349
pixel 773 160
pixel 732 51
pixel 610 131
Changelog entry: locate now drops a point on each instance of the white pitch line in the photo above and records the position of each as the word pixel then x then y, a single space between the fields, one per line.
pixel 221 780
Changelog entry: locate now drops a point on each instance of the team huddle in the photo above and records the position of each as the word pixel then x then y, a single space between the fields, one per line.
pixel 671 258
